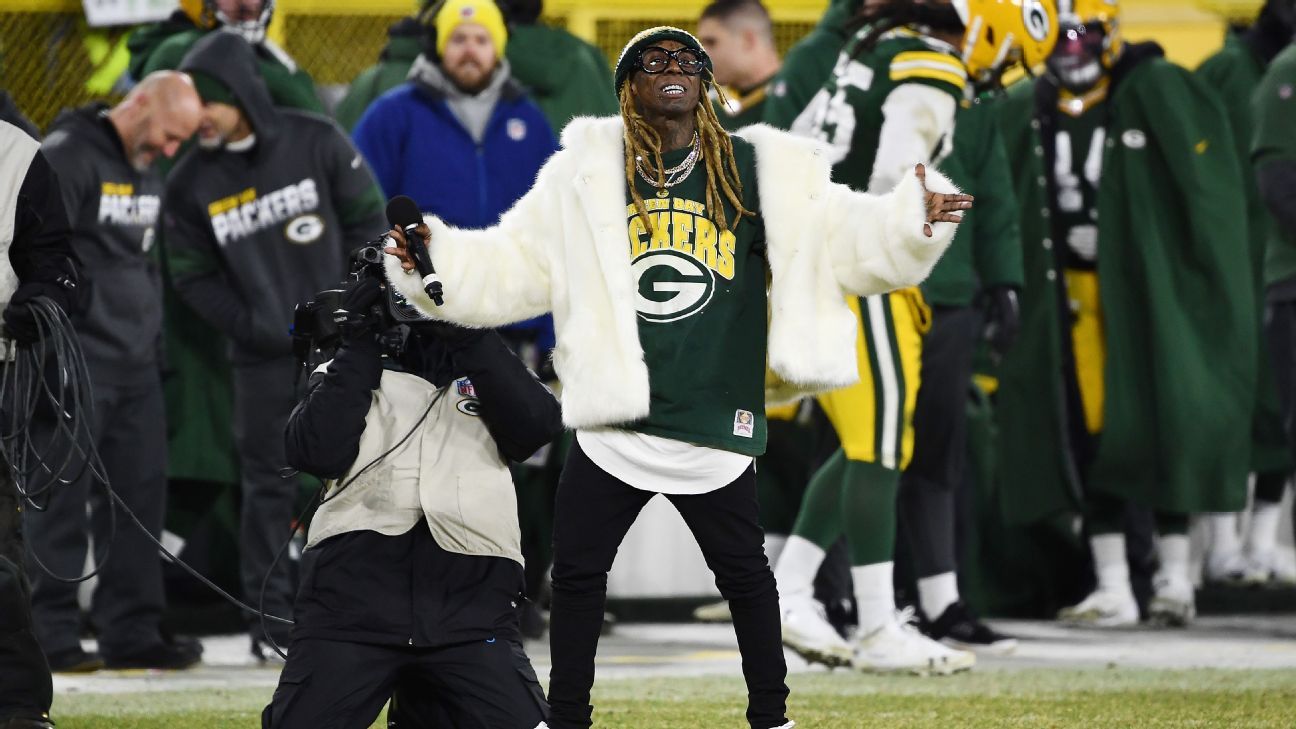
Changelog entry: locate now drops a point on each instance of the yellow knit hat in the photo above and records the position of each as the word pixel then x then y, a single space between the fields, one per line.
pixel 482 12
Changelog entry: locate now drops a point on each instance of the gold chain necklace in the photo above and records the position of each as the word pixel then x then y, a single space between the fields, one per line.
pixel 674 175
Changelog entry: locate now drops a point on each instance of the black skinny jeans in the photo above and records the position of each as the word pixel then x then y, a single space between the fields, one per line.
pixel 593 512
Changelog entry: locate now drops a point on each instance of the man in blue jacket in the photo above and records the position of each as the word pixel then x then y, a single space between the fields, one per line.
pixel 460 137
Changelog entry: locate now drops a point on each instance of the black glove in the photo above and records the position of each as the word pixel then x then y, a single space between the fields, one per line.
pixel 1003 318
pixel 20 320
pixel 360 321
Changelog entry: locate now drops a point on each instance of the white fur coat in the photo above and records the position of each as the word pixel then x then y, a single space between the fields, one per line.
pixel 563 248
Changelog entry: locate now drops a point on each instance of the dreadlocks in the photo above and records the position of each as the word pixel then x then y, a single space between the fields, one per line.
pixel 717 154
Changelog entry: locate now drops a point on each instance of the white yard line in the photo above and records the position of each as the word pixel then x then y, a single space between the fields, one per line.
pixel 660 650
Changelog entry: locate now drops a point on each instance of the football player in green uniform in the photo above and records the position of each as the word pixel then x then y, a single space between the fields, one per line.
pixel 1234 72
pixel 1124 388
pixel 892 101
pixel 809 64
pixel 1274 153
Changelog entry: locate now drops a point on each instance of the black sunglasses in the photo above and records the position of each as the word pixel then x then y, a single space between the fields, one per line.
pixel 655 59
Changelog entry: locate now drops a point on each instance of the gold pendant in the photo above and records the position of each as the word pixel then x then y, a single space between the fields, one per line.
pixel 663 193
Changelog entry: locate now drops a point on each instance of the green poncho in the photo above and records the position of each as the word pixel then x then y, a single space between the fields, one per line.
pixel 1178 298
pixel 1234 72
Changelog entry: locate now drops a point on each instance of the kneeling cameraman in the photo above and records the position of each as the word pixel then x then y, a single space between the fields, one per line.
pixel 412 573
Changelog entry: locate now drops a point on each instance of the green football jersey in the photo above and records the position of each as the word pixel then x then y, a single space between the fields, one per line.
pixel 1274 104
pixel 1077 169
pixel 702 309
pixel 743 109
pixel 847 111
pixel 808 64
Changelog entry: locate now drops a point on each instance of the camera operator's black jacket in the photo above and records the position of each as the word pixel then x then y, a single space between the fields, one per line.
pixel 405 589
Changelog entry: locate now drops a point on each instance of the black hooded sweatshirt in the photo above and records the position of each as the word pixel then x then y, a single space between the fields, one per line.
pixel 112 208
pixel 250 234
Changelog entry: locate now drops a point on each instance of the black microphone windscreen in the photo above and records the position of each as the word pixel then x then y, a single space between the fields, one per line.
pixel 403 212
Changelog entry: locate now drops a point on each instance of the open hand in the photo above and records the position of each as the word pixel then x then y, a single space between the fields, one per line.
pixel 401 249
pixel 941 206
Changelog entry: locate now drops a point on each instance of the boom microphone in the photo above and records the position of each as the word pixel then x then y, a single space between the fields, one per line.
pixel 403 213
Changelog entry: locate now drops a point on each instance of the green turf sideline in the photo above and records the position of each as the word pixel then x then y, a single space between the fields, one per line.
pixel 1060 699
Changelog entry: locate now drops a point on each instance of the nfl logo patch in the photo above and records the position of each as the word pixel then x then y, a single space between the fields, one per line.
pixel 465 387
pixel 516 129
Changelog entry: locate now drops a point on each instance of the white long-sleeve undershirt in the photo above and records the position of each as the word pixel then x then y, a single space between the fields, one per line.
pixel 917 126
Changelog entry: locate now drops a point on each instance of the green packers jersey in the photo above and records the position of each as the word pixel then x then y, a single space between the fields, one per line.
pixel 1077 168
pixel 702 311
pixel 743 109
pixel 1274 104
pixel 847 112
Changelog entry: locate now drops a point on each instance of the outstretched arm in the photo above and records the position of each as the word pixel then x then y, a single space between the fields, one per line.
pixel 492 277
pixel 880 243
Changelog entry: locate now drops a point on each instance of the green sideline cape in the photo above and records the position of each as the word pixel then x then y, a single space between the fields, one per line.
pixel 1234 72
pixel 1177 295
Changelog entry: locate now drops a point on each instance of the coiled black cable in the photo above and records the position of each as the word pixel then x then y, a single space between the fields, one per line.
pixel 45 389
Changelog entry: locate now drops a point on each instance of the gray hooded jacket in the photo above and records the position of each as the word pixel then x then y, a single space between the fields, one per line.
pixel 250 234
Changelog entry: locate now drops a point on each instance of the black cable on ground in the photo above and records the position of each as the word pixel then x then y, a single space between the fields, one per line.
pixel 27 395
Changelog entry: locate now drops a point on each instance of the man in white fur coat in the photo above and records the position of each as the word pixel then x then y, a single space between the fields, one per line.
pixel 679 262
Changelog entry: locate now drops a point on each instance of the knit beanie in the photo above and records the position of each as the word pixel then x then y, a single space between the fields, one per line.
pixel 211 89
pixel 482 12
pixel 651 37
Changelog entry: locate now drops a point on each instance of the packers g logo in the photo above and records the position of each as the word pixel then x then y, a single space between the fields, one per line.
pixel 1036 19
pixel 671 285
pixel 304 229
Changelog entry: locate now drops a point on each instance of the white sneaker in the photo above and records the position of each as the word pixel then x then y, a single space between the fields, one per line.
pixel 1269 568
pixel 1103 609
pixel 716 612
pixel 1235 568
pixel 1173 604
pixel 806 631
pixel 898 647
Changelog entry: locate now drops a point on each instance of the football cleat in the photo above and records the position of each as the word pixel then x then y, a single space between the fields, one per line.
pixel 808 633
pixel 958 627
pixel 898 647
pixel 715 612
pixel 1173 604
pixel 1103 609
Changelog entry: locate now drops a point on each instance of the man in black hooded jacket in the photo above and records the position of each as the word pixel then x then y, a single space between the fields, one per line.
pixel 105 158
pixel 259 218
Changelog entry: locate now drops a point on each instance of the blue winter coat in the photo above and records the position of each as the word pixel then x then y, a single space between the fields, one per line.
pixel 417 147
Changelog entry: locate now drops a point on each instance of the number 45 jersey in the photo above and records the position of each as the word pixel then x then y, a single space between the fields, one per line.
pixel 850 110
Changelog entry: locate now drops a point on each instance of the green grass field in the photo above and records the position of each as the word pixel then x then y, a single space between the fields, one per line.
pixel 1058 699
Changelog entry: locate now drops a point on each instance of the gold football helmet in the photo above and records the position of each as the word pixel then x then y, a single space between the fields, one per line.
pixel 999 33
pixel 1102 13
